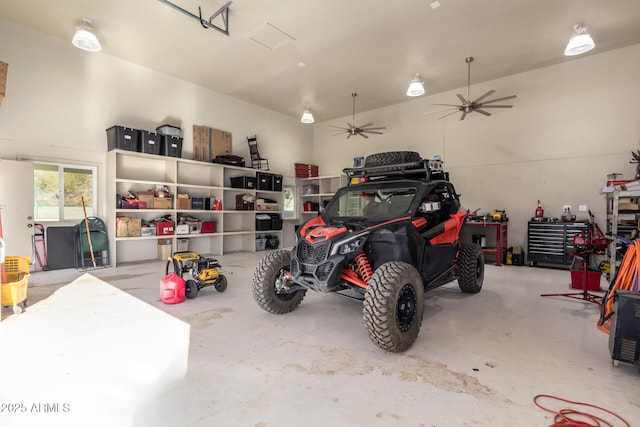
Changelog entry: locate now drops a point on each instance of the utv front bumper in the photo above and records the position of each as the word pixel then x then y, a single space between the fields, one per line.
pixel 313 268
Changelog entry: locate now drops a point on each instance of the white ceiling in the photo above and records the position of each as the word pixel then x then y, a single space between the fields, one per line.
pixel 372 47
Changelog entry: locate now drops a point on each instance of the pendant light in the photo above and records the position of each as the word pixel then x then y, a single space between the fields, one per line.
pixel 84 39
pixel 416 87
pixel 307 117
pixel 580 41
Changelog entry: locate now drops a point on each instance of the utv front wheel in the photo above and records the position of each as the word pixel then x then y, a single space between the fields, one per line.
pixel 271 269
pixel 393 306
pixel 470 268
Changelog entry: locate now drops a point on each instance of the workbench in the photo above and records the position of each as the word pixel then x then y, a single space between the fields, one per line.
pixel 500 228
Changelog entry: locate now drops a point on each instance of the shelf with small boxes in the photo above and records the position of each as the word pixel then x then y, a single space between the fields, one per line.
pixel 211 198
pixel 316 191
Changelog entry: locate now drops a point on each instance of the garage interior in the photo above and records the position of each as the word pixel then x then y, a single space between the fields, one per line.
pixel 96 344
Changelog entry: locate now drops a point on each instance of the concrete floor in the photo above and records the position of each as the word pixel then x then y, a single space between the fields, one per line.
pixel 479 360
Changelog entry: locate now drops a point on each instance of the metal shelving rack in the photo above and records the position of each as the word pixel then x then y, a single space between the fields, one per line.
pixel 614 225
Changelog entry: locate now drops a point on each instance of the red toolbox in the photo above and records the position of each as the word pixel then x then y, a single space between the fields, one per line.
pixel 208 227
pixel 164 228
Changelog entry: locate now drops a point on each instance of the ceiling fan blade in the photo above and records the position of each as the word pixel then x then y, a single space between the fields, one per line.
pixel 448 105
pixel 464 114
pixel 441 111
pixel 447 115
pixel 363 135
pixel 486 113
pixel 494 106
pixel 369 131
pixel 491 92
pixel 491 101
pixel 464 101
pixel 364 126
pixel 350 125
pixel 376 128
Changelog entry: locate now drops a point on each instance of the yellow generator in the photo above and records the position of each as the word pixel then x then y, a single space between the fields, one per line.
pixel 198 272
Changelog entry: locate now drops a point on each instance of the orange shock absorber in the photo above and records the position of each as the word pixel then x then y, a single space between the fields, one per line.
pixel 364 267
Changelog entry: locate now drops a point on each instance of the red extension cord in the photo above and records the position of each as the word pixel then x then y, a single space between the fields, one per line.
pixel 562 418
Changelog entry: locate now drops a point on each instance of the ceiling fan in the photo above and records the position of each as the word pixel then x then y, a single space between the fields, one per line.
pixel 357 130
pixel 468 106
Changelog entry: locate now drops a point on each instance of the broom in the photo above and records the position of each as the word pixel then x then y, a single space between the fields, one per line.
pixel 86 224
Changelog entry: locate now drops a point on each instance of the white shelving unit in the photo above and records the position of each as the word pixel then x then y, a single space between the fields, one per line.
pixel 129 171
pixel 317 190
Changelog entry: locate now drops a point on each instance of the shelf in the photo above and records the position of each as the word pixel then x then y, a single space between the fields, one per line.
pixel 235 230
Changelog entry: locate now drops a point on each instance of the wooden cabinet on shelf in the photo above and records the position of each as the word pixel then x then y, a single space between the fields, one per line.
pixel 316 191
pixel 229 228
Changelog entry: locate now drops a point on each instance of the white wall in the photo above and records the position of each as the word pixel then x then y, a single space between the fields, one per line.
pixel 60 100
pixel 570 126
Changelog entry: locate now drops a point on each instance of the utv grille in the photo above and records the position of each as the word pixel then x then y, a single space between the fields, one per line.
pixel 295 268
pixel 324 271
pixel 309 253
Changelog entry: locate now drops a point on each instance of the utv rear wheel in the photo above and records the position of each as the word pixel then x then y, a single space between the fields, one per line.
pixel 393 306
pixel 470 268
pixel 272 268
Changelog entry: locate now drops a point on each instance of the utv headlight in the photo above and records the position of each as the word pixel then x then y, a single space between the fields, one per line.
pixel 349 246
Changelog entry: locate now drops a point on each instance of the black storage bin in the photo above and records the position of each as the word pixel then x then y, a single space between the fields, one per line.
pixel 149 142
pixel 263 222
pixel 123 138
pixel 264 181
pixel 276 183
pixel 276 222
pixel 248 182
pixel 171 146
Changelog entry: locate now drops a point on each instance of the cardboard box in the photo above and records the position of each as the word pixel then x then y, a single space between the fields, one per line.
pixel 220 143
pixel 127 226
pixel 162 202
pixel 4 69
pixel 201 149
pixel 183 201
pixel 146 197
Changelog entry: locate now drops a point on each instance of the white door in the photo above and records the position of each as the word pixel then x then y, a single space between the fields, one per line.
pixel 16 207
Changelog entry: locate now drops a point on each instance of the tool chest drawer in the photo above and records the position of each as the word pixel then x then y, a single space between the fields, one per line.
pixel 552 242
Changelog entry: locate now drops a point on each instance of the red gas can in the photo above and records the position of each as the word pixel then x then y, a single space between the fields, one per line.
pixel 172 288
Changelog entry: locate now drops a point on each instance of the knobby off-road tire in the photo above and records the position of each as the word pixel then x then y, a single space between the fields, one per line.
pixel 393 306
pixel 470 268
pixel 391 158
pixel 263 285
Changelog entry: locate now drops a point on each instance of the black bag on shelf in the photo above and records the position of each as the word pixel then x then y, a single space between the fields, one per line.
pixel 229 159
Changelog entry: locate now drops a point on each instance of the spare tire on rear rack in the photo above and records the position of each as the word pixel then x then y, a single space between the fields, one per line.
pixel 391 158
